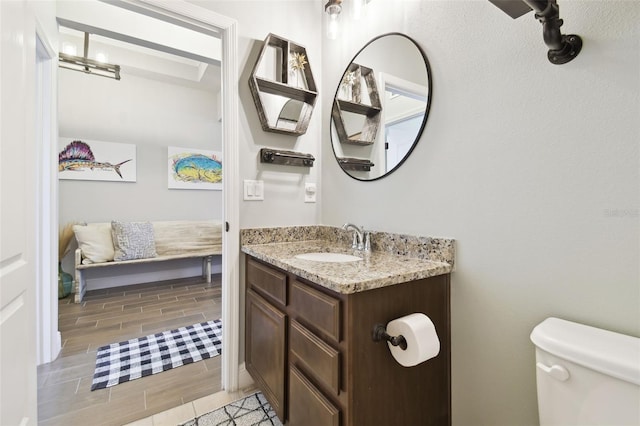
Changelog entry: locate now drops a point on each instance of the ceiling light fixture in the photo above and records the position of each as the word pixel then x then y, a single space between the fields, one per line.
pixel 359 8
pixel 333 8
pixel 69 49
pixel 101 57
pixel 88 66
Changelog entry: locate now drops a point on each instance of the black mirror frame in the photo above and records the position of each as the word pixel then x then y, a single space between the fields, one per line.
pixel 426 112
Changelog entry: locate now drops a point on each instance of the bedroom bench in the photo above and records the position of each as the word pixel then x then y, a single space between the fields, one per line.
pixel 172 239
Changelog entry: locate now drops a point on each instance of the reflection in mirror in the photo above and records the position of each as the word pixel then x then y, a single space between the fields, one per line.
pixel 405 104
pixel 290 115
pixel 353 125
pixel 401 81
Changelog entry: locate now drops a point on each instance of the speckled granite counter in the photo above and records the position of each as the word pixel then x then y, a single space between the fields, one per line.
pixel 394 258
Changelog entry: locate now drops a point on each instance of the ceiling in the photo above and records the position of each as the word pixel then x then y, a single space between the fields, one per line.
pixel 145 62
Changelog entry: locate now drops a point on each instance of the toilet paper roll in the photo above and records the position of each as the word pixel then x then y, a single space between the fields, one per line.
pixel 420 334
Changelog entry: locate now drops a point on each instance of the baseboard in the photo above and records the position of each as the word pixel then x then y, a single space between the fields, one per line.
pixel 57 346
pixel 244 378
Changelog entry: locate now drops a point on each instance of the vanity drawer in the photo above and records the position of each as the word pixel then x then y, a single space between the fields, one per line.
pixel 320 360
pixel 316 308
pixel 307 406
pixel 267 280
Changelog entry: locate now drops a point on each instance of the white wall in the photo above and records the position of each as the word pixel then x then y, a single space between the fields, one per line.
pixel 532 167
pixel 151 115
pixel 283 185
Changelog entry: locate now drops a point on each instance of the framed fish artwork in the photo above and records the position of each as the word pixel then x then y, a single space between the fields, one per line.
pixel 194 169
pixel 82 159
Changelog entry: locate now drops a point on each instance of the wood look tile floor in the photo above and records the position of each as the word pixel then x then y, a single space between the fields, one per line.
pixel 117 314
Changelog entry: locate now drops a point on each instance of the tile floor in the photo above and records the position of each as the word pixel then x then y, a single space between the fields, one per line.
pixel 114 315
pixel 186 412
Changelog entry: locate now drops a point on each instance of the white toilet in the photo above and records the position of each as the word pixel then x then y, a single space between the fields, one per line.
pixel 585 375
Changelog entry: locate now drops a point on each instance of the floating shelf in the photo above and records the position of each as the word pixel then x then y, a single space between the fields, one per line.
pixel 287 158
pixel 281 85
pixel 368 110
pixel 355 164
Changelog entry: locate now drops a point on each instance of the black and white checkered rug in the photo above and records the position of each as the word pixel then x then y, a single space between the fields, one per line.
pixel 120 362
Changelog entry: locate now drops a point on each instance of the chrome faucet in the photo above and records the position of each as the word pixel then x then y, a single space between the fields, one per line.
pixel 361 238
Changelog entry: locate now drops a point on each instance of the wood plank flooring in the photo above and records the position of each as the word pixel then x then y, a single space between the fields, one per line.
pixel 117 314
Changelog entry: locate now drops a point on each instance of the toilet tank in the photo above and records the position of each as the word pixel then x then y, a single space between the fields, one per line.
pixel 586 375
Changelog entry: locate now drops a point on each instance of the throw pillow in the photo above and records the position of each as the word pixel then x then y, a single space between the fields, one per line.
pixel 95 242
pixel 133 240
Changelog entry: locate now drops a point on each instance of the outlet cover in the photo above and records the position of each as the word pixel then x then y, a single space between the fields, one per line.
pixel 310 192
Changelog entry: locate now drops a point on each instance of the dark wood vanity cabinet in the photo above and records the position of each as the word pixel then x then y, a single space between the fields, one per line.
pixel 310 351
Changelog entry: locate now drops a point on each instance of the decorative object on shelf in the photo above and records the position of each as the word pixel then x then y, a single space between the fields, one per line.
pixel 95 160
pixel 350 86
pixel 65 280
pixel 287 158
pixel 296 65
pixel 282 84
pixel 386 115
pixel 190 168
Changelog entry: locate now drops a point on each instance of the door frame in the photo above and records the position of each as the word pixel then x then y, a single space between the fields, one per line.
pixel 208 22
pixel 46 135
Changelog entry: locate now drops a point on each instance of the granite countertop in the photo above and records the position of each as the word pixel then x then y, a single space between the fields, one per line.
pixel 394 258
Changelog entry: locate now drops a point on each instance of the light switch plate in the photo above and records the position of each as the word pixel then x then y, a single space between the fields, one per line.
pixel 310 192
pixel 253 190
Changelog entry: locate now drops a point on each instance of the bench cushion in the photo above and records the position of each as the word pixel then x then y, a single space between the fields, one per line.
pixel 133 240
pixel 94 239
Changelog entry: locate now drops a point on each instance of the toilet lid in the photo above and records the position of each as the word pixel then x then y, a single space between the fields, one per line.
pixel 607 352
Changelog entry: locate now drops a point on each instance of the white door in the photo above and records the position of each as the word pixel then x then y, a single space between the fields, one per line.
pixel 19 22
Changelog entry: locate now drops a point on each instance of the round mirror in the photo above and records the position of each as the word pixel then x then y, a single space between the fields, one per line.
pixel 380 107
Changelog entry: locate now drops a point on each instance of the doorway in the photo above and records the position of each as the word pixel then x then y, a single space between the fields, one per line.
pixel 211 23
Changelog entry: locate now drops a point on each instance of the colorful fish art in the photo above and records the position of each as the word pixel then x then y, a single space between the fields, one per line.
pixel 197 168
pixel 78 156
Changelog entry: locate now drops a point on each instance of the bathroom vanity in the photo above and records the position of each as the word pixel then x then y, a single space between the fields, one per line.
pixel 309 326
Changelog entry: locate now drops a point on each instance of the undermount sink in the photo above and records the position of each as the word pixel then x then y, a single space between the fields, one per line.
pixel 328 257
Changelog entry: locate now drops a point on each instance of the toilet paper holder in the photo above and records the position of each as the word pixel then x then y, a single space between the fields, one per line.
pixel 380 333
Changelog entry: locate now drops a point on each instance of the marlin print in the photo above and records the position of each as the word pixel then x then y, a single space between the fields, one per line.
pixel 78 156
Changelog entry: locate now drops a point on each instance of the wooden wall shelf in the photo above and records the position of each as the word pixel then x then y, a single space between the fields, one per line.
pixel 355 164
pixel 363 78
pixel 286 81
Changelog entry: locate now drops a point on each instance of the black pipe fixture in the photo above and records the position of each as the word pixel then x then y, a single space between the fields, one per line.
pixel 562 47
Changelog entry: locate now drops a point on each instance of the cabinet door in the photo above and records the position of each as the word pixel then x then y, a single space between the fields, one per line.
pixel 265 349
pixel 308 407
